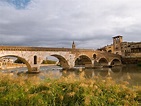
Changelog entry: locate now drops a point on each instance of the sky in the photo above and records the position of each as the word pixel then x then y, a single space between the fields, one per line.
pixel 57 23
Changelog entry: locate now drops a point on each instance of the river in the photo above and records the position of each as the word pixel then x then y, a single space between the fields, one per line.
pixel 130 73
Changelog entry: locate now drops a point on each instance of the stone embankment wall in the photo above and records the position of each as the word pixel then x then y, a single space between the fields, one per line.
pixel 131 60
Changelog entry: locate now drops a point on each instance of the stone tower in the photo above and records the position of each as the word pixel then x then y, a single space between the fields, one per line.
pixel 117 41
pixel 73 45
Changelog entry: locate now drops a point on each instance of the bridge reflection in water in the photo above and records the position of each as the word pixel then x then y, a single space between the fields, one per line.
pixel 129 73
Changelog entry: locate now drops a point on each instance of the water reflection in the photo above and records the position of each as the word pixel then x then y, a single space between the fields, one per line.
pixel 130 73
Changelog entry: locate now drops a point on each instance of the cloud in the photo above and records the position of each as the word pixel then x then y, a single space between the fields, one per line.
pixel 56 23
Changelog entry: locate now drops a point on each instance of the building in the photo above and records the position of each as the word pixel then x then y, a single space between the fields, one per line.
pixel 73 45
pixel 131 49
pixel 125 49
pixel 5 60
pixel 108 48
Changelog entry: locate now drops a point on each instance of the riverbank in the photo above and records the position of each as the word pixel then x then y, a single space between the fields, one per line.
pixel 12 65
pixel 68 91
pixel 16 65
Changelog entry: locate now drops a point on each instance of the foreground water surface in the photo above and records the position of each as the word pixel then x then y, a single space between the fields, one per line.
pixel 130 73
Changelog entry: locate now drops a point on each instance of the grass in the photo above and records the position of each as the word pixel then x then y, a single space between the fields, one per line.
pixel 66 91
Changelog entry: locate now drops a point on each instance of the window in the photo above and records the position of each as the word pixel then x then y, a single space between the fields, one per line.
pixel 35 59
pixel 94 56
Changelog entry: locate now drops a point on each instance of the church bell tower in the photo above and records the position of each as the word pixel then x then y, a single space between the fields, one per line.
pixel 73 45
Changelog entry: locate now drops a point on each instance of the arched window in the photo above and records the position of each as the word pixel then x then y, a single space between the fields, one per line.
pixel 94 56
pixel 35 59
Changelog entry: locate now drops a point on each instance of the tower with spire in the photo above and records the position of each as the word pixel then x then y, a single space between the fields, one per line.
pixel 73 45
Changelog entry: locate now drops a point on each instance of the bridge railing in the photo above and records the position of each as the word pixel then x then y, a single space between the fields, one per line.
pixel 22 48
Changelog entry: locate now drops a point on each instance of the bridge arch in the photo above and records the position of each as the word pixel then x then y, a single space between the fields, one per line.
pixel 63 62
pixel 109 51
pixel 115 62
pixel 83 60
pixel 103 61
pixel 22 59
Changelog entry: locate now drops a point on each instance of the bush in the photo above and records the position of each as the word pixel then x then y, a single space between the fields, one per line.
pixel 66 91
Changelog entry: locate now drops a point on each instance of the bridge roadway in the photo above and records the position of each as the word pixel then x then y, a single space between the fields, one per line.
pixel 68 57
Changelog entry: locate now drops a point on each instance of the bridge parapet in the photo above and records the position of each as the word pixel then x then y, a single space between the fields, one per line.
pixel 23 48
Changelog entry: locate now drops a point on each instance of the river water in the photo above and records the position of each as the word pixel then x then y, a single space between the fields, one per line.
pixel 130 73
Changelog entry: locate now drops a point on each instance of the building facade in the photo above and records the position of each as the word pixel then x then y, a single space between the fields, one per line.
pixel 125 49
pixel 6 61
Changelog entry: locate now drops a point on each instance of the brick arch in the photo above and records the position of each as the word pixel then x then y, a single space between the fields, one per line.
pixel 62 60
pixel 115 61
pixel 103 61
pixel 22 59
pixel 83 60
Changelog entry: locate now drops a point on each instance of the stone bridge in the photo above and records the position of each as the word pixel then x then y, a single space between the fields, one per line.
pixel 68 57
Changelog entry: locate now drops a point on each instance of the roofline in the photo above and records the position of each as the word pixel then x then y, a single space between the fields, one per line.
pixel 117 36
